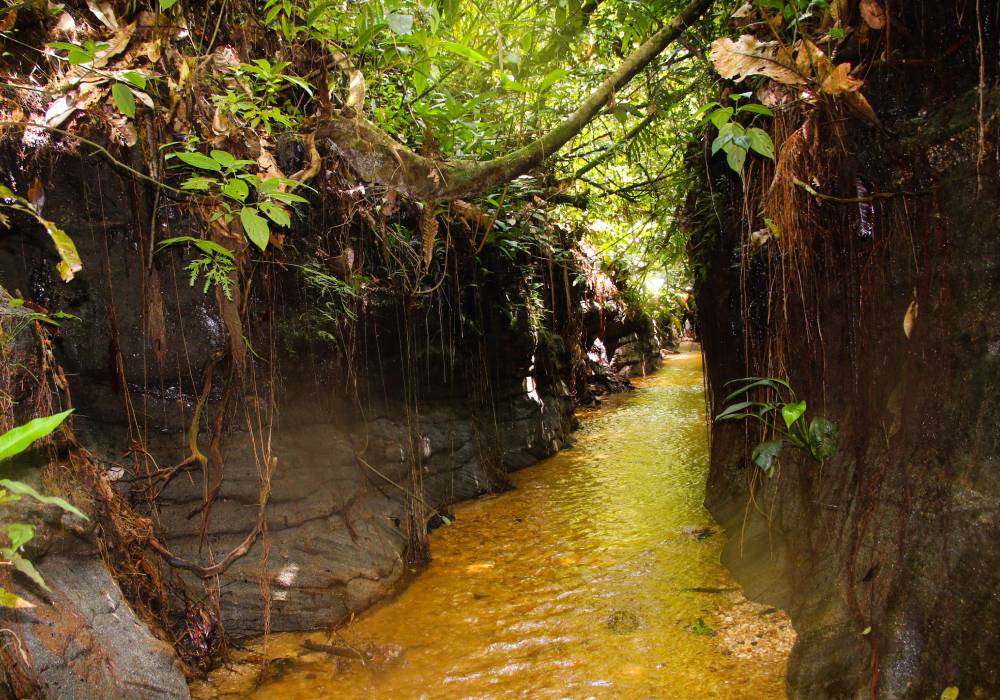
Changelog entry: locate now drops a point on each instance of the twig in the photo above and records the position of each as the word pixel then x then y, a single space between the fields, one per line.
pixel 857 200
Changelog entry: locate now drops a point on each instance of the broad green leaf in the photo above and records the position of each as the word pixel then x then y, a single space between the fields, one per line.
pixel 791 412
pixel 19 535
pixel 400 23
pixel 23 489
pixel 275 213
pixel 236 189
pixel 223 158
pixel 137 79
pixel 124 100
pixel 950 693
pixel 754 382
pixel 732 409
pixel 199 160
pixel 29 570
pixel 765 453
pixel 736 156
pixel 255 226
pixel 755 109
pixel 69 257
pixel 287 197
pixel 167 4
pixel 720 116
pixel 10 600
pixel 760 141
pixel 464 51
pixel 294 80
pixel 17 440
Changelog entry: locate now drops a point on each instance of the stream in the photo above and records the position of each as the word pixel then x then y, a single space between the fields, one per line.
pixel 598 576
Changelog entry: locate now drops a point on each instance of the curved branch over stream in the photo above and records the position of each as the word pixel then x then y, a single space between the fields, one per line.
pixel 378 158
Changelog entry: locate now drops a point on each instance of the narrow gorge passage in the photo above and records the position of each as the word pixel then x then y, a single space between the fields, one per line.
pixel 597 576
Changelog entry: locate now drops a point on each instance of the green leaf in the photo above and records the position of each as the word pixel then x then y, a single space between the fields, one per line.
pixel 736 156
pixel 760 141
pixel 445 519
pixel 19 534
pixel 69 257
pixel 464 51
pixel 124 99
pixel 137 79
pixel 276 213
pixel 236 189
pixel 754 382
pixel 10 600
pixel 223 158
pixel 299 82
pixel 765 453
pixel 199 182
pixel 17 440
pixel 22 489
pixel 167 4
pixel 791 412
pixel 29 570
pixel 400 23
pixel 199 160
pixel 255 226
pixel 287 197
pixel 720 116
pixel 950 693
pixel 755 109
pixel 867 630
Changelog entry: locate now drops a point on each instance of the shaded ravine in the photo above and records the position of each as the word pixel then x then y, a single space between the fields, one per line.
pixel 598 576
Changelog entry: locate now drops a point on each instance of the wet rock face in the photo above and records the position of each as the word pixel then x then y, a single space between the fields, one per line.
pixel 83 640
pixel 898 533
pixel 426 407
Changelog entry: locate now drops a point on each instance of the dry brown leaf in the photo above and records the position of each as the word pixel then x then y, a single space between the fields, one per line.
pixel 104 12
pixel 428 230
pixel 9 20
pixel 873 14
pixel 840 81
pixel 36 195
pixel 740 59
pixel 810 60
pixel 910 319
pixel 861 107
pixel 745 10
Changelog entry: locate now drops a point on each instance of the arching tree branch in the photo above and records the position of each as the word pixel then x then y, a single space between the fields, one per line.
pixel 377 158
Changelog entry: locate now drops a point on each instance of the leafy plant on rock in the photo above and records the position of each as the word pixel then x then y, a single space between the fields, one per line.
pixel 785 415
pixel 14 442
pixel 254 200
pixel 735 139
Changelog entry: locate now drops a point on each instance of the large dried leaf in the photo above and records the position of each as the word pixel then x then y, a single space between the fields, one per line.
pixel 839 81
pixel 746 56
pixel 873 14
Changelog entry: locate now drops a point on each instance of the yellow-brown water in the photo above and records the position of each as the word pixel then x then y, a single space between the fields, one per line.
pixel 574 585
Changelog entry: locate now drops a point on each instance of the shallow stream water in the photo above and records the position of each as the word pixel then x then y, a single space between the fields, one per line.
pixel 598 576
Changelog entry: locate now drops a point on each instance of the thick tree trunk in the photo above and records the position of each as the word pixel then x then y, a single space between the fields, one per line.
pixel 378 158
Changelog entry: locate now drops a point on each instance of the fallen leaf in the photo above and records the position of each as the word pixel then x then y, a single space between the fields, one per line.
pixel 873 14
pixel 840 81
pixel 36 195
pixel 740 59
pixel 104 12
pixel 745 10
pixel 9 20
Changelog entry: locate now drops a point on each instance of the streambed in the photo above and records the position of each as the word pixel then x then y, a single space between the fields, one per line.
pixel 598 576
